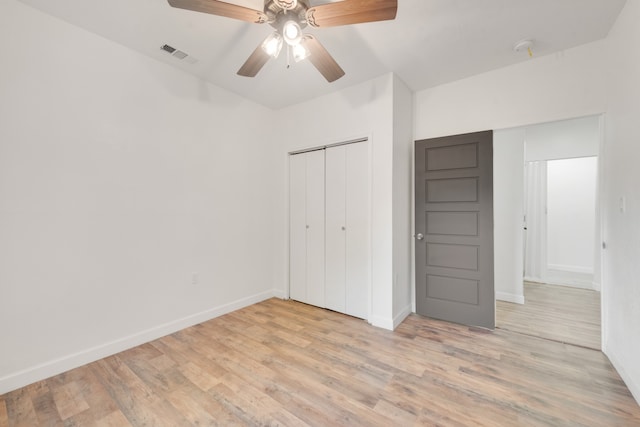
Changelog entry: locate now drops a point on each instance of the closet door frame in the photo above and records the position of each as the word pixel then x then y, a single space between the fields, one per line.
pixel 369 145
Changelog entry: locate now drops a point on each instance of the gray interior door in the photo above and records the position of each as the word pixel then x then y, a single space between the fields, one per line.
pixel 454 229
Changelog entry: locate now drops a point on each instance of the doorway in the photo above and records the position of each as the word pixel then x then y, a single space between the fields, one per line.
pixel 557 296
pixel 560 221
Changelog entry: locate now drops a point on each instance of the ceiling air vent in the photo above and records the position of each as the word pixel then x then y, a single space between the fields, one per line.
pixel 168 48
pixel 178 54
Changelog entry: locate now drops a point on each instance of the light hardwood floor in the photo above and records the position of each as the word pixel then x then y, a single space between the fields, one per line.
pixel 559 313
pixel 285 363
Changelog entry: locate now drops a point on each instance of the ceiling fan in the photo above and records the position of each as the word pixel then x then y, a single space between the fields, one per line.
pixel 288 18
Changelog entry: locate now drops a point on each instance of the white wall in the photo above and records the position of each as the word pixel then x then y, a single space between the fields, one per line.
pixel 364 110
pixel 119 177
pixel 571 215
pixel 563 139
pixel 621 269
pixel 508 185
pixel 402 184
pixel 565 85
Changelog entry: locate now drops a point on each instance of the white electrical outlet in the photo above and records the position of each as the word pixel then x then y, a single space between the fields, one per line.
pixel 194 278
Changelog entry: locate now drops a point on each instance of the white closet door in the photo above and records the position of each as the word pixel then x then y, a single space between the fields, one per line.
pixel 335 281
pixel 347 229
pixel 298 227
pixel 315 260
pixel 329 228
pixel 357 215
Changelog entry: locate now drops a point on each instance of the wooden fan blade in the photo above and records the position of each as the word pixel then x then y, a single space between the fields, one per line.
pixel 254 63
pixel 221 8
pixel 321 59
pixel 351 12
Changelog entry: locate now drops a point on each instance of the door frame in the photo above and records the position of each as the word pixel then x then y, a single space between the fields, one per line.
pixel 601 237
pixel 323 146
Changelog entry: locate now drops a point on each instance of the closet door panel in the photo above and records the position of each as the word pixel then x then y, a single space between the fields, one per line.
pixel 357 215
pixel 335 293
pixel 315 256
pixel 297 227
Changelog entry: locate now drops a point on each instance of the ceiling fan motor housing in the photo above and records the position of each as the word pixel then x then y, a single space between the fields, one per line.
pixel 279 15
pixel 286 4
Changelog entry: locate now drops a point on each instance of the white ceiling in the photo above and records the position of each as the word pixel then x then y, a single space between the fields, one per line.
pixel 431 41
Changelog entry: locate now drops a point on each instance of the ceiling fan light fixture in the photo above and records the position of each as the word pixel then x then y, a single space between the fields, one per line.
pixel 272 44
pixel 300 52
pixel 288 18
pixel 292 33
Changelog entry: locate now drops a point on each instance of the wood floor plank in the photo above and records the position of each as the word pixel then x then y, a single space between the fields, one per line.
pixel 397 415
pixel 69 400
pixel 138 401
pixel 285 363
pixel 20 409
pixel 211 408
pixel 560 313
pixel 198 376
pixel 46 409
pixel 182 400
pixel 114 419
pixel 4 417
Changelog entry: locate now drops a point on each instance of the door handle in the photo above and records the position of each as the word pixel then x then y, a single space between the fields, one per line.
pixel 419 236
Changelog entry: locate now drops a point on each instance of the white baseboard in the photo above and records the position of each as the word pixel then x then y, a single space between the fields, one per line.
pixel 570 268
pixel 401 316
pixel 581 284
pixel 631 384
pixel 504 296
pixel 382 322
pixel 390 324
pixel 569 276
pixel 278 293
pixel 571 279
pixel 54 367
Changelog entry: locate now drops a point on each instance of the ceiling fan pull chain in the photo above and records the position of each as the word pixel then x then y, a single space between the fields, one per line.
pixel 288 56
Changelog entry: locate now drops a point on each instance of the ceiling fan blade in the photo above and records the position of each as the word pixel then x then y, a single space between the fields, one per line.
pixel 254 63
pixel 221 8
pixel 321 59
pixel 351 12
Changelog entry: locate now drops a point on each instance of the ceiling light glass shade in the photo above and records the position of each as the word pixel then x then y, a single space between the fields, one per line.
pixel 292 33
pixel 300 52
pixel 272 44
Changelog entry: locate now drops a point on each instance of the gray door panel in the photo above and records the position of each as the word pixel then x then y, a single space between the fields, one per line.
pixel 454 213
